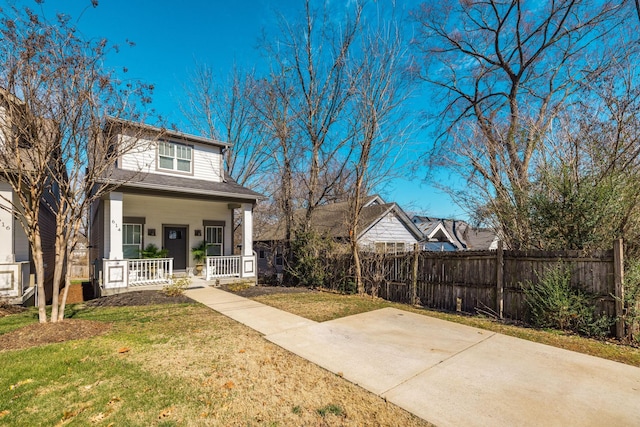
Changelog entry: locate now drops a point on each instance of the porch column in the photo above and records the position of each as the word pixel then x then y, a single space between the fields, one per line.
pixel 247 229
pixel 115 225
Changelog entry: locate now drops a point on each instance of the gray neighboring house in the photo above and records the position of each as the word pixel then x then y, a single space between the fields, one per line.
pixel 454 235
pixel 384 228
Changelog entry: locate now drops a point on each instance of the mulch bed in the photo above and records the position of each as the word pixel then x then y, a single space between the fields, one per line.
pixel 128 299
pixel 7 309
pixel 38 334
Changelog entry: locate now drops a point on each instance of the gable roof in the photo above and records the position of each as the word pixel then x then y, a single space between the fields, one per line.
pixel 331 220
pixel 458 233
pixel 116 125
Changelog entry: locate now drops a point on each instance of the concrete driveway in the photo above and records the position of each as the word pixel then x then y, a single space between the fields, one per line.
pixel 450 374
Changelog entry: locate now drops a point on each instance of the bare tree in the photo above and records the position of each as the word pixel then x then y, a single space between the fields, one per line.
pixel 313 55
pixel 275 113
pixel 57 97
pixel 504 70
pixel 381 86
pixel 225 111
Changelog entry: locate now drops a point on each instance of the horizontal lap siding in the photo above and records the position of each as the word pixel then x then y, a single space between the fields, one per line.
pixel 388 229
pixel 206 160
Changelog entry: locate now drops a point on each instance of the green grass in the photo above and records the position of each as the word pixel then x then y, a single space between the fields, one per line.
pixel 324 306
pixel 85 381
pixel 184 364
pixel 15 321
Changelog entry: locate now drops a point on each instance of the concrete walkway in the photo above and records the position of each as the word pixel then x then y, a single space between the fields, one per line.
pixel 450 374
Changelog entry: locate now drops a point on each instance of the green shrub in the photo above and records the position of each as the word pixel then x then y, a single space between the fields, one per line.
pixel 308 266
pixel 153 251
pixel 553 303
pixel 347 286
pixel 632 300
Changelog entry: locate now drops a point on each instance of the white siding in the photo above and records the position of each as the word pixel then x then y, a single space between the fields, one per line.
pixel 158 211
pixel 7 229
pixel 206 159
pixel 388 229
pixel 207 162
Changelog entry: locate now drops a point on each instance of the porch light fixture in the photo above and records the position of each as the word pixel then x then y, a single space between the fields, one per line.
pixel 197 233
pixel 151 232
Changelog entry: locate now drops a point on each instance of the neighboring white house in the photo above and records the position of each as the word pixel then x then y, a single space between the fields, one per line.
pixel 170 191
pixel 16 285
pixel 384 228
pixel 17 277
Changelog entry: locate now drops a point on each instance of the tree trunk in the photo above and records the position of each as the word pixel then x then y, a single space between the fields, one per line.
pixel 357 267
pixel 60 259
pixel 36 253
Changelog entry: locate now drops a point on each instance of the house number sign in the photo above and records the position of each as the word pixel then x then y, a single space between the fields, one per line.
pixel 5 226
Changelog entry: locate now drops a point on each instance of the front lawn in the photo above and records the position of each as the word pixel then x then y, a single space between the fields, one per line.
pixel 174 364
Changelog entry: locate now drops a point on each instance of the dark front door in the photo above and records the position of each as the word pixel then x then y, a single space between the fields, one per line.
pixel 175 241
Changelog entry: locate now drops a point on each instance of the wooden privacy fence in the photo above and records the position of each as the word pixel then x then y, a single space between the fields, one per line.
pixel 486 281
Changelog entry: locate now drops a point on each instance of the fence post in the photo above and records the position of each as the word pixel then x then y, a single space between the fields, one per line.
pixel 500 279
pixel 414 278
pixel 618 269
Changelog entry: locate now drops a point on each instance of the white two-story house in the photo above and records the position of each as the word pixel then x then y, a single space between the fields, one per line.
pixel 169 190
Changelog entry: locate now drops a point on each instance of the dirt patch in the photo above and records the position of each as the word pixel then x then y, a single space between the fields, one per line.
pixel 128 299
pixel 48 333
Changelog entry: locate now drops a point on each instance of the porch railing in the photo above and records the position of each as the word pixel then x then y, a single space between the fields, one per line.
pixel 150 271
pixel 223 266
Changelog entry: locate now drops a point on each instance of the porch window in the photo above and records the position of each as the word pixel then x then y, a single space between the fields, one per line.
pixel 174 156
pixel 214 238
pixel 131 240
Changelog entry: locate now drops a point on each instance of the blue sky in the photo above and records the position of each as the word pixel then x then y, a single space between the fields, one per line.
pixel 171 37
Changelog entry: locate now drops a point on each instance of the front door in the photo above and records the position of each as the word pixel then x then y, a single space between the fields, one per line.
pixel 175 241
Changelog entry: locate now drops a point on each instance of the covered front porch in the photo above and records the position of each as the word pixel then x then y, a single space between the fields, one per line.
pixel 130 274
pixel 175 227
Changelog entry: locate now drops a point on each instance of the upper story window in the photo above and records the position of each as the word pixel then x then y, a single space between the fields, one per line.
pixel 176 157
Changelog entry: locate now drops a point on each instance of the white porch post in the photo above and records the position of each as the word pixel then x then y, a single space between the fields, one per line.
pixel 248 260
pixel 115 225
pixel 247 229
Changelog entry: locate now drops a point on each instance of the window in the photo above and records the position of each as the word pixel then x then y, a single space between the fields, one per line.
pixel 213 239
pixel 131 240
pixel 261 254
pixel 390 247
pixel 173 156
